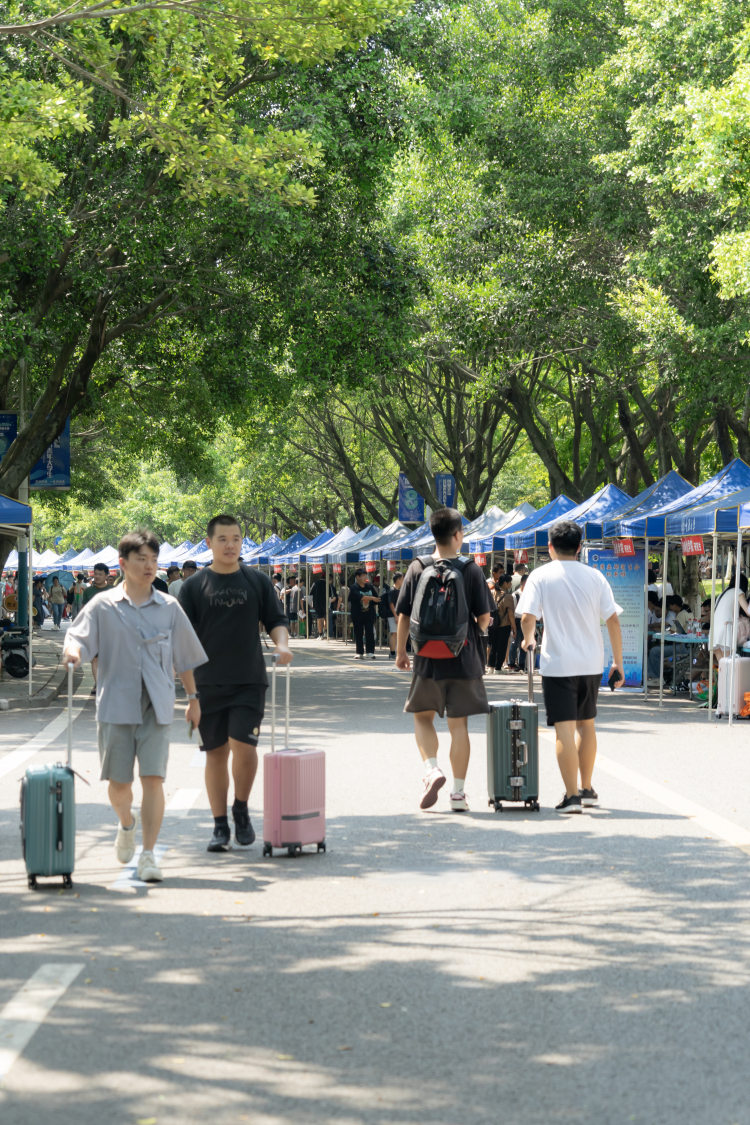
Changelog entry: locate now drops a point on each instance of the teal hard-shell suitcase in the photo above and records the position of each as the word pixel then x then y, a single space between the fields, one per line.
pixel 513 751
pixel 48 815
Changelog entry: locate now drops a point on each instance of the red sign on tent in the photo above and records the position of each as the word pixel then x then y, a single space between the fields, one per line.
pixel 317 568
pixel 521 556
pixel 624 548
pixel 391 564
pixel 337 568
pixel 371 567
pixel 480 560
pixel 692 545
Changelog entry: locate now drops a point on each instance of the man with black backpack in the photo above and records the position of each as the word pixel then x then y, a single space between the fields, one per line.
pixel 445 606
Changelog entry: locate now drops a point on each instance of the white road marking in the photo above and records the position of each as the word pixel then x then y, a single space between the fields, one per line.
pixel 714 824
pixel 27 1010
pixel 182 802
pixel 128 877
pixel 16 758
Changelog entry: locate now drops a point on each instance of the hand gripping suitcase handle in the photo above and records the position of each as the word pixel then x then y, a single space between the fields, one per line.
pixel 274 665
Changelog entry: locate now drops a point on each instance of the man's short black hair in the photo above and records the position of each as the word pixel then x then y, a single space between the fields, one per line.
pixel 359 570
pixel 172 567
pixel 651 576
pixel 444 523
pixel 565 536
pixel 223 520
pixel 101 566
pixel 505 579
pixel 674 599
pixel 190 564
pixel 519 568
pixel 496 567
pixel 135 541
pixel 397 574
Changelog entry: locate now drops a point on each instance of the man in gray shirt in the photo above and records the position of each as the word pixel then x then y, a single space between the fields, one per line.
pixel 141 637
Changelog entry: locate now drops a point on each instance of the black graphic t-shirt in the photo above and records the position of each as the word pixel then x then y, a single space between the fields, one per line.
pixel 225 611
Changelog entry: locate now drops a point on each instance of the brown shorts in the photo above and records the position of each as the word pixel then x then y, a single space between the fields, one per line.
pixel 457 698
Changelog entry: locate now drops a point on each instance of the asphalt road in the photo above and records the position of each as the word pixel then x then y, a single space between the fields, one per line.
pixel 430 967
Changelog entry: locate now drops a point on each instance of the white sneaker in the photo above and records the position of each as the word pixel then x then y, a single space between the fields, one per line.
pixel 459 803
pixel 125 841
pixel 433 781
pixel 148 869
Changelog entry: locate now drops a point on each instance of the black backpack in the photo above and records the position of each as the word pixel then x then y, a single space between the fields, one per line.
pixel 439 624
pixel 384 611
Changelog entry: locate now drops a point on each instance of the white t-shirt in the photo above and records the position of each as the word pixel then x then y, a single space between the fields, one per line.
pixel 725 612
pixel 175 586
pixel 572 599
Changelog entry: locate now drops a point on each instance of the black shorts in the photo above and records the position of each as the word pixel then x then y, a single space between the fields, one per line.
pixel 570 698
pixel 231 711
pixel 458 698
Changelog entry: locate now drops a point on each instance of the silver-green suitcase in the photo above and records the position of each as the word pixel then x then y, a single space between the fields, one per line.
pixel 513 750
pixel 48 814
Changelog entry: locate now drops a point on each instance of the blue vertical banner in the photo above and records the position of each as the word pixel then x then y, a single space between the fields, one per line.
pixel 626 576
pixel 8 432
pixel 445 489
pixel 410 503
pixel 52 470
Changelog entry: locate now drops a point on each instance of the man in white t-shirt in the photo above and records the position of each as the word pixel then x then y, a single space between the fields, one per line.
pixel 573 600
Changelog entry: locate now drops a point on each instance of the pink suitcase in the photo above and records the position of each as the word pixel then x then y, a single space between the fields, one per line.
pixel 294 790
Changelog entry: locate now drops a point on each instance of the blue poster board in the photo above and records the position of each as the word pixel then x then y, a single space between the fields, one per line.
pixel 626 576
pixel 52 470
pixel 410 503
pixel 8 432
pixel 445 489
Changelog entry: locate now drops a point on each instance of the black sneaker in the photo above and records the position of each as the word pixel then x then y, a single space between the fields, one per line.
pixel 570 804
pixel 220 840
pixel 244 833
pixel 589 798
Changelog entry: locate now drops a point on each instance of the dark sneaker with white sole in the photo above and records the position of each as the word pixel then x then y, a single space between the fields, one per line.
pixel 220 840
pixel 244 833
pixel 569 804
pixel 589 798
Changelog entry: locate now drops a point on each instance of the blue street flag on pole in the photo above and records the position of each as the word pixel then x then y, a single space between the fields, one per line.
pixel 52 470
pixel 8 432
pixel 445 489
pixel 410 503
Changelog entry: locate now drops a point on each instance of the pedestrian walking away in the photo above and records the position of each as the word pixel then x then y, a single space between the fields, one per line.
pixel 226 603
pixel 141 637
pixel 57 601
pixel 572 599
pixel 450 685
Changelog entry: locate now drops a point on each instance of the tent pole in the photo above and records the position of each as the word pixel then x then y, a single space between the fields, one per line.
pixel 735 622
pixel 664 561
pixel 645 628
pixel 30 585
pixel 328 608
pixel 714 550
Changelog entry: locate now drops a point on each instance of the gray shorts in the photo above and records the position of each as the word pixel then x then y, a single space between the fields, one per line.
pixel 456 697
pixel 392 624
pixel 121 743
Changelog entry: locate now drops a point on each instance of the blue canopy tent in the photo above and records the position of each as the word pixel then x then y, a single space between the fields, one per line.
pixel 349 552
pixel 556 509
pixel 15 519
pixel 606 500
pixel 391 535
pixel 261 554
pixel 485 541
pixel 402 550
pixel 299 555
pixel 732 478
pixel 670 487
pixel 269 554
pixel 340 539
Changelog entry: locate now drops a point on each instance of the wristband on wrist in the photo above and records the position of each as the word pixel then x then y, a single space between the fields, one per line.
pixel 193 696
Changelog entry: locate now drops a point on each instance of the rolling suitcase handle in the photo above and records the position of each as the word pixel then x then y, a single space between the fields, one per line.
pixel 530 665
pixel 274 663
pixel 71 666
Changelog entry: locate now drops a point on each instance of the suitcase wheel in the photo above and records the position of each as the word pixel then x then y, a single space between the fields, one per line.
pixel 32 882
pixel 495 804
pixel 322 846
pixel 294 849
pixel 533 805
pixel 268 849
pixel 67 881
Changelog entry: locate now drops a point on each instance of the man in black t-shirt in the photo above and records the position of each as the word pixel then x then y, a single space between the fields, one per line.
pixel 454 686
pixel 362 601
pixel 225 603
